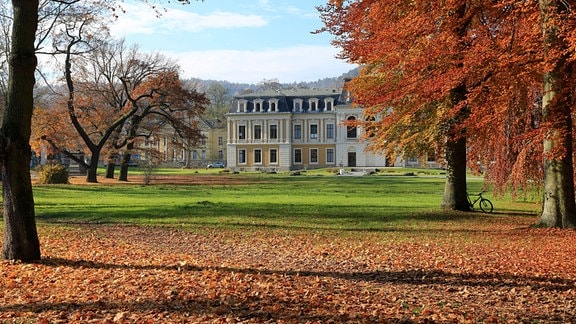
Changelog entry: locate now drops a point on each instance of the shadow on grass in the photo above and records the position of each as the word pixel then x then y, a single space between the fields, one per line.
pixel 368 217
pixel 372 218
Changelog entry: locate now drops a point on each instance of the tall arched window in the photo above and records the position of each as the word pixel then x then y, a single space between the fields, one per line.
pixel 328 102
pixel 351 130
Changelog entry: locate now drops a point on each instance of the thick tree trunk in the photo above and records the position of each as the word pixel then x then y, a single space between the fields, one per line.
pixel 110 167
pixel 20 235
pixel 92 174
pixel 559 208
pixel 125 163
pixel 455 195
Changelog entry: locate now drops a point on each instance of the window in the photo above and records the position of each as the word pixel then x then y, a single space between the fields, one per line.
pixel 297 131
pixel 242 156
pixel 257 131
pixel 329 104
pixel 258 156
pixel 203 142
pixel 313 104
pixel 330 155
pixel 220 155
pixel 241 106
pixel 273 105
pixel 242 132
pixel 258 105
pixel 297 155
pixel 297 104
pixel 273 156
pixel 220 140
pixel 273 132
pixel 313 131
pixel 203 154
pixel 329 130
pixel 351 129
pixel 313 155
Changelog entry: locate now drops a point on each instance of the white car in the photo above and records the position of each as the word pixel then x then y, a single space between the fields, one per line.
pixel 216 165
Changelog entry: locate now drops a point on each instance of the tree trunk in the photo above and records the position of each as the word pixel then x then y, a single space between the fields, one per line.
pixel 20 235
pixel 455 195
pixel 92 174
pixel 125 163
pixel 188 162
pixel 132 132
pixel 110 167
pixel 455 192
pixel 559 208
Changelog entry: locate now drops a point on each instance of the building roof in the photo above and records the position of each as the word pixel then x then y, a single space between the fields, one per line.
pixel 286 98
pixel 212 123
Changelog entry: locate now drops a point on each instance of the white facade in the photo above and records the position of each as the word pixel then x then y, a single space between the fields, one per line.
pixel 295 129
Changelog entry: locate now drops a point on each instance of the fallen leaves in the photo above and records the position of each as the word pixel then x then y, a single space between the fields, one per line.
pixel 124 274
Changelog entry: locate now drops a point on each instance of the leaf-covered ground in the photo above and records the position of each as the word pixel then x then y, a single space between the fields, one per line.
pixel 497 271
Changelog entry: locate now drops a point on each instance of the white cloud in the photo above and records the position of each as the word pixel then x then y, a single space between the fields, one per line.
pixel 141 19
pixel 291 64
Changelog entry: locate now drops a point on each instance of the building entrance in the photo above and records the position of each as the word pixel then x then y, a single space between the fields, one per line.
pixel 351 159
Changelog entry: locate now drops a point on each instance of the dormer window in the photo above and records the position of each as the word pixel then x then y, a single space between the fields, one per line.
pixel 297 104
pixel 273 103
pixel 329 102
pixel 313 104
pixel 258 105
pixel 241 106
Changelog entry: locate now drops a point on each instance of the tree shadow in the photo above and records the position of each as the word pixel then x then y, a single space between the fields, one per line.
pixel 412 276
pixel 241 311
pixel 272 308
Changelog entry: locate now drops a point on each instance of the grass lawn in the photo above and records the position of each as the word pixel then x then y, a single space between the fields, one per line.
pixel 314 201
pixel 273 248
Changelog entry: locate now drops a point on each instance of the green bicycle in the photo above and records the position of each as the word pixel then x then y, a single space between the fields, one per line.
pixel 485 204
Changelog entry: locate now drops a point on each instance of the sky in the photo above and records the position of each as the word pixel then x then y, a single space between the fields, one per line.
pixel 243 41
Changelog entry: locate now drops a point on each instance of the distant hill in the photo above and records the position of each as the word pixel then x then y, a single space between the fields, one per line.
pixel 235 88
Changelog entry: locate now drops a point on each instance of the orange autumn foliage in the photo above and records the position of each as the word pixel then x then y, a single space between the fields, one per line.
pixel 410 61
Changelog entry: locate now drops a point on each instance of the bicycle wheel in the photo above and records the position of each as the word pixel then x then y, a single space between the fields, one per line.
pixel 486 205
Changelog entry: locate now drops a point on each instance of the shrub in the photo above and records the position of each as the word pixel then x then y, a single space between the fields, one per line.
pixel 52 173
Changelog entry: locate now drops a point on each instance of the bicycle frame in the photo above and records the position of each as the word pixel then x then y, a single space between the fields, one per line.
pixel 484 204
pixel 472 203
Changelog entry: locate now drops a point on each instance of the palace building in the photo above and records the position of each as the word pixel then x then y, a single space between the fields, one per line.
pixel 294 129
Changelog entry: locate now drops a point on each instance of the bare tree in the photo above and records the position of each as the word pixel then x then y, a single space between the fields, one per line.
pixel 170 107
pixel 20 235
pixel 220 100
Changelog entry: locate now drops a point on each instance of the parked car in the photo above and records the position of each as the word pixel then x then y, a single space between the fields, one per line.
pixel 216 165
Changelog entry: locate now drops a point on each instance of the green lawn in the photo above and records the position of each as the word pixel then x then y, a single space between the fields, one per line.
pixel 314 201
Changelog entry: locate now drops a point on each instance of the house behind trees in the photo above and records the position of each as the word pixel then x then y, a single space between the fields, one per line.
pixel 171 150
